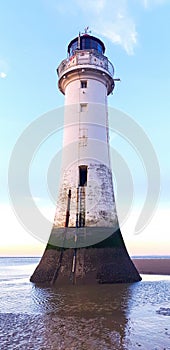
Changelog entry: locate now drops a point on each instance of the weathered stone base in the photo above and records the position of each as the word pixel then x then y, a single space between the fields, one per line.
pixel 105 262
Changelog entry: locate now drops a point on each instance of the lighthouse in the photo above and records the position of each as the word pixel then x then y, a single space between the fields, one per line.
pixel 85 245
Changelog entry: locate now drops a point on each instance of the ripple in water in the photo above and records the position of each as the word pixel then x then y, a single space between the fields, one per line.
pixel 164 311
pixel 106 317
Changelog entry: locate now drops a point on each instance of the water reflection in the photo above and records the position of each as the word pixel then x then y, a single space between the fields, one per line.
pixel 95 315
pixel 106 317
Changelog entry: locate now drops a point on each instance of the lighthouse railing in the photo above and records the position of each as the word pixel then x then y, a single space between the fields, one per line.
pixel 82 57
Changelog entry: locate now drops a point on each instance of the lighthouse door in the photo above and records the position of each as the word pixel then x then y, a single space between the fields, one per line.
pixel 83 175
pixel 82 194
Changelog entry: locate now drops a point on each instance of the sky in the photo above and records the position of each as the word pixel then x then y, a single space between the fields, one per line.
pixel 33 41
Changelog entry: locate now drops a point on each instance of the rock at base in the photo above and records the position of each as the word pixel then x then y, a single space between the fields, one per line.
pixel 105 262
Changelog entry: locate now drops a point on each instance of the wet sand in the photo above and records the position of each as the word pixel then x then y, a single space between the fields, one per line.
pixel 122 316
pixel 153 266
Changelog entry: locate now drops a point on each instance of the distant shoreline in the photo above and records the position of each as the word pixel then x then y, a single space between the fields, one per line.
pixel 152 266
pixel 133 257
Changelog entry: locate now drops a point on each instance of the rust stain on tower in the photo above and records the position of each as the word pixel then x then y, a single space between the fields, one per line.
pixel 86 245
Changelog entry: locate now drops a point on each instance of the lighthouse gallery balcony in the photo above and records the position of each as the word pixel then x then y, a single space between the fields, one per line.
pixel 86 59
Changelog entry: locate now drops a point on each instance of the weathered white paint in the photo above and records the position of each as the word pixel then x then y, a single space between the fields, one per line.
pixel 86 140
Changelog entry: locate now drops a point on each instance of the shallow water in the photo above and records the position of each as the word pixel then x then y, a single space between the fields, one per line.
pixel 121 316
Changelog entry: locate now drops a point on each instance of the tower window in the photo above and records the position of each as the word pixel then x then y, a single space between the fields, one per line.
pixel 83 84
pixel 83 175
pixel 83 107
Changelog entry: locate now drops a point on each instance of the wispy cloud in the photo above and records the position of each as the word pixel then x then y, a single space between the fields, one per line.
pixel 121 30
pixel 3 68
pixel 95 6
pixel 150 3
pixel 3 75
pixel 111 19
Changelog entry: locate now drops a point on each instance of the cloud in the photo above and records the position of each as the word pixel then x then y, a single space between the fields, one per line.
pixel 3 68
pixel 95 6
pixel 120 31
pixel 3 75
pixel 109 18
pixel 150 3
pixel 113 21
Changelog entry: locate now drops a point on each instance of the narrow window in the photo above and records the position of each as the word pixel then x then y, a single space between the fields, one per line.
pixel 83 137
pixel 83 84
pixel 83 175
pixel 83 107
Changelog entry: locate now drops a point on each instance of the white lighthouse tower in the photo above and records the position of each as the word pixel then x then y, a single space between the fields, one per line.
pixel 85 240
pixel 85 78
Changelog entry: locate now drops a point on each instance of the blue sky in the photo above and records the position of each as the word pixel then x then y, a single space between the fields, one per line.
pixel 34 36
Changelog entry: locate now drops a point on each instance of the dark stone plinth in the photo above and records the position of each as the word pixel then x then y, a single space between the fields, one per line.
pixel 105 262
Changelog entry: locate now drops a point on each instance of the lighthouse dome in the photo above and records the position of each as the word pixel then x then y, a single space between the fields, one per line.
pixel 86 42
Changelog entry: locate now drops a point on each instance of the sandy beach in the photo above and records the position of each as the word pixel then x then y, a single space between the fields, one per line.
pixel 153 266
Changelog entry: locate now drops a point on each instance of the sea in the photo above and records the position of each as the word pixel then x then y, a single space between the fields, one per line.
pixel 101 317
